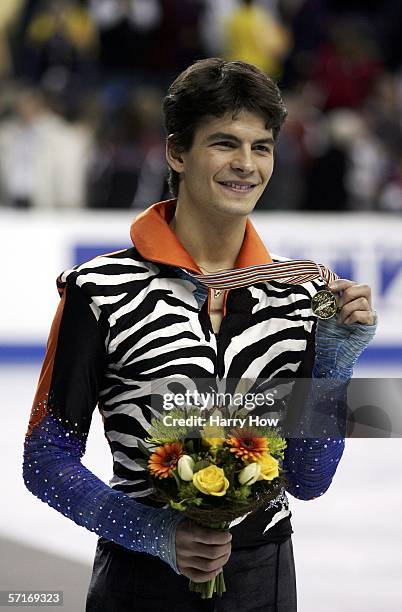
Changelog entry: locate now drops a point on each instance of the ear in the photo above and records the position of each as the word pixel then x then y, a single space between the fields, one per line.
pixel 173 157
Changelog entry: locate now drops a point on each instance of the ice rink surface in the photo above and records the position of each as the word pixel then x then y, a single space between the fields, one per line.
pixel 348 543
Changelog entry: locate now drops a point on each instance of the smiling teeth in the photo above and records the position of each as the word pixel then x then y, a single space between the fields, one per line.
pixel 240 187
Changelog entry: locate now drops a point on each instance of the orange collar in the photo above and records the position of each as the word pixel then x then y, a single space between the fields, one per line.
pixel 155 241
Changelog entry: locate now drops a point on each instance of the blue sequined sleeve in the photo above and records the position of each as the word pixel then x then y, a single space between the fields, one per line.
pixel 56 438
pixel 311 462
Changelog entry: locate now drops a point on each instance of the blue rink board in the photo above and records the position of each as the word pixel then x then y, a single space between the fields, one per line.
pixel 31 353
pixel 390 355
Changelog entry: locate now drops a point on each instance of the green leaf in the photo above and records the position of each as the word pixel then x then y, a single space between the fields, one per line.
pixel 196 501
pixel 200 465
pixel 178 505
pixel 177 479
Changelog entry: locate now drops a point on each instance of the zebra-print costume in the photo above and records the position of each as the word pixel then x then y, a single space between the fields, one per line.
pixel 142 323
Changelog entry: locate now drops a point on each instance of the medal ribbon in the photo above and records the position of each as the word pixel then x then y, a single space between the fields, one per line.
pixel 292 272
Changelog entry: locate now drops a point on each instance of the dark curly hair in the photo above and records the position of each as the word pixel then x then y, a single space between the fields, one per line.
pixel 212 88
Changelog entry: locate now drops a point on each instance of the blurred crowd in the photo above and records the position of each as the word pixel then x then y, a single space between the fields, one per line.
pixel 82 84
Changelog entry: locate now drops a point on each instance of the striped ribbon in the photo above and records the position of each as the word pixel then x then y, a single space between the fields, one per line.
pixel 292 272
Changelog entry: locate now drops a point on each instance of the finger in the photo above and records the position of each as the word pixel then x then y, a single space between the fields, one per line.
pixel 206 565
pixel 210 536
pixel 206 551
pixel 360 304
pixel 338 288
pixel 361 316
pixel 355 292
pixel 340 285
pixel 198 576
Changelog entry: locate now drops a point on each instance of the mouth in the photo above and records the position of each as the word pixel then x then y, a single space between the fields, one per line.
pixel 238 187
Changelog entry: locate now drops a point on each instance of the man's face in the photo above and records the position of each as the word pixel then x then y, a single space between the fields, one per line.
pixel 228 166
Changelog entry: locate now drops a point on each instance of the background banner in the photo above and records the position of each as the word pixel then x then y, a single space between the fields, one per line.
pixel 35 248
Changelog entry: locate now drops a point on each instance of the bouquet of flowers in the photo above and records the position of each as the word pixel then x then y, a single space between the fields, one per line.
pixel 215 477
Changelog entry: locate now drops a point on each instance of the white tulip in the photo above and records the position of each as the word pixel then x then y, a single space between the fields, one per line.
pixel 249 474
pixel 185 467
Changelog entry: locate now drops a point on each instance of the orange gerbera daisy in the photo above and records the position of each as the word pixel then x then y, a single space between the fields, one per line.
pixel 248 446
pixel 164 460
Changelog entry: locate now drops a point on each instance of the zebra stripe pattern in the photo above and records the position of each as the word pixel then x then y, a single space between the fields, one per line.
pixel 156 328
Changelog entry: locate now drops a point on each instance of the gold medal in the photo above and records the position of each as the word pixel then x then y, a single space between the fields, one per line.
pixel 324 305
pixel 293 272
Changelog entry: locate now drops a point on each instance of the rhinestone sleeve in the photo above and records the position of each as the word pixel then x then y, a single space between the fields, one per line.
pixel 311 462
pixel 53 472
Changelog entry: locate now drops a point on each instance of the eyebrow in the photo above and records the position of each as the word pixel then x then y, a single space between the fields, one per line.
pixel 225 136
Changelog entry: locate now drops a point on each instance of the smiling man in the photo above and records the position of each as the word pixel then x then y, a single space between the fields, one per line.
pixel 228 166
pixel 222 177
pixel 143 314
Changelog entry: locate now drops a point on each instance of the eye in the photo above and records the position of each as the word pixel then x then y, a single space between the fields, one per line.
pixel 263 149
pixel 226 144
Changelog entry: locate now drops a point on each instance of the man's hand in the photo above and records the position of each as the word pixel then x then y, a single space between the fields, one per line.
pixel 201 553
pixel 354 302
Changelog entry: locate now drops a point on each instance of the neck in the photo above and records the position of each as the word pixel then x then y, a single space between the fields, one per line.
pixel 213 243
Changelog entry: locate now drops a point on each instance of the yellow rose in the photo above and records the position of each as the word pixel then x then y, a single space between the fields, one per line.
pixel 211 481
pixel 269 468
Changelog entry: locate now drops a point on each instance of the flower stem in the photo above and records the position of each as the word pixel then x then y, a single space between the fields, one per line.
pixel 216 585
pixel 211 588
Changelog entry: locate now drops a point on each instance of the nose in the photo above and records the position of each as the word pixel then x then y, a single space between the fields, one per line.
pixel 242 161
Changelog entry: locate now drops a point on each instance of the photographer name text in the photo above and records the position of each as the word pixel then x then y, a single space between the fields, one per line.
pixel 214 420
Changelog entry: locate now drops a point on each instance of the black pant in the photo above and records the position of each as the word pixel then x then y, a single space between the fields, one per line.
pixel 258 579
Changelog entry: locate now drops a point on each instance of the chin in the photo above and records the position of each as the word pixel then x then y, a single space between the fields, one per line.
pixel 237 206
pixel 235 209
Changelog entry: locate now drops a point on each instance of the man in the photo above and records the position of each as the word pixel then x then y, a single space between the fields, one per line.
pixel 136 316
